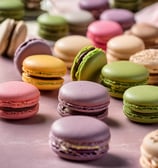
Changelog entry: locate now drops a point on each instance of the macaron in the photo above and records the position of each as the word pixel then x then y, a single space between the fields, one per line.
pixel 149 150
pixel 66 48
pixel 123 46
pixel 147 32
pixel 52 27
pixel 13 33
pixel 79 138
pixel 18 100
pixel 101 31
pixel 121 75
pixel 124 17
pixel 11 9
pixel 88 63
pixel 43 71
pixel 149 59
pixel 133 5
pixel 140 104
pixel 78 21
pixel 93 6
pixel 83 98
pixel 32 46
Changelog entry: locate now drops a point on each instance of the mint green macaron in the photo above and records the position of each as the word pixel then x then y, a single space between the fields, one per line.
pixel 11 9
pixel 121 75
pixel 140 104
pixel 88 63
pixel 52 27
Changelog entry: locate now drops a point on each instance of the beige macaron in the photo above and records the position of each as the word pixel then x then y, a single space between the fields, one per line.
pixel 66 48
pixel 148 58
pixel 13 33
pixel 149 150
pixel 147 32
pixel 123 46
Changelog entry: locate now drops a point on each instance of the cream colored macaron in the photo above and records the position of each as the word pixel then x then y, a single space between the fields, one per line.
pixel 13 33
pixel 66 48
pixel 123 46
pixel 149 150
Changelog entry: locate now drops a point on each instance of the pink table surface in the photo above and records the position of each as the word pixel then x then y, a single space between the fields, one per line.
pixel 24 143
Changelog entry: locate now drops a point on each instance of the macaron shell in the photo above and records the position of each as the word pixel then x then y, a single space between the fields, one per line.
pixel 140 95
pixel 44 66
pixel 117 71
pixel 64 129
pixel 112 28
pixel 125 44
pixel 30 47
pixel 6 28
pixel 18 94
pixel 86 69
pixel 18 36
pixel 94 93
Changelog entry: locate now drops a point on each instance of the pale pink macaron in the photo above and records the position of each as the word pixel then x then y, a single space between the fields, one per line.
pixel 18 100
pixel 101 31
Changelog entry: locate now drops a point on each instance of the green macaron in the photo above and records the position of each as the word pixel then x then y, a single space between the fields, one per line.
pixel 133 5
pixel 11 9
pixel 88 63
pixel 140 104
pixel 52 27
pixel 121 75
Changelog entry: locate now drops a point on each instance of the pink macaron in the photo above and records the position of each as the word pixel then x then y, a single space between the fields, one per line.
pixel 18 100
pixel 101 31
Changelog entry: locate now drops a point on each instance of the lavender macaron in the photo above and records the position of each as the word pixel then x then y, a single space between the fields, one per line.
pixel 124 17
pixel 30 47
pixel 79 138
pixel 83 98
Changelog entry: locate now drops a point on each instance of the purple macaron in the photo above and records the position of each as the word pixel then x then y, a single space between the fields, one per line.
pixel 83 98
pixel 30 47
pixel 96 7
pixel 122 16
pixel 79 138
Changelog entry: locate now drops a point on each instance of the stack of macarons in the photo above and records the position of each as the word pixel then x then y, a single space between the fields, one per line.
pixel 78 21
pixel 52 27
pixel 18 100
pixel 147 32
pixel 121 75
pixel 93 6
pixel 43 71
pixel 13 33
pixel 88 63
pixel 94 102
pixel 123 46
pixel 101 31
pixel 79 138
pixel 124 17
pixel 66 48
pixel 149 59
pixel 12 9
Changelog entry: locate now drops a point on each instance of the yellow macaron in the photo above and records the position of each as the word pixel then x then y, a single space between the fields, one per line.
pixel 44 71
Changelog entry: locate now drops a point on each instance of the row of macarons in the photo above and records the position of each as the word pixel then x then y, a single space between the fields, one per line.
pixel 17 8
pixel 79 135
pixel 36 64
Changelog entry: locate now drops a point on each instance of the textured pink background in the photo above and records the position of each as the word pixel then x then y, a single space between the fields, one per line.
pixel 24 143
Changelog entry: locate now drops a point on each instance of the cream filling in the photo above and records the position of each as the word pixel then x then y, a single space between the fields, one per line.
pixel 78 149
